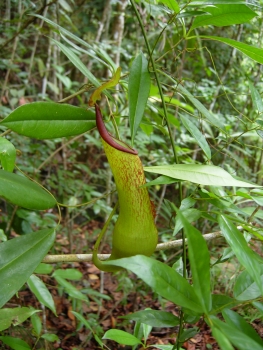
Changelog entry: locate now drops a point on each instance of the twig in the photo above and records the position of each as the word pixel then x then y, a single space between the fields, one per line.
pixel 50 259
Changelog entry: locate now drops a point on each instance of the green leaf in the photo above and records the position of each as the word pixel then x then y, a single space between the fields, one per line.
pixel 7 154
pixel 224 15
pixel 171 4
pixel 50 337
pixel 256 98
pixel 70 274
pixel 138 92
pixel 99 52
pixel 200 107
pixel 246 256
pixel 23 192
pixel 47 120
pixel 239 339
pixel 15 316
pixel 235 320
pixel 164 280
pixel 245 287
pixel 36 324
pixel 19 258
pixel 82 320
pixel 221 301
pixel 222 339
pixel 197 135
pixel 70 289
pixel 191 215
pixel 161 180
pixel 154 318
pixel 200 263
pixel 252 52
pixel 215 2
pixel 121 337
pixel 209 175
pixel 38 287
pixel 15 343
pixel 77 62
pixel 258 306
pixel 44 269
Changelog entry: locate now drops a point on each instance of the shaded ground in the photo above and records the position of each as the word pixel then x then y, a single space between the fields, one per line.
pixel 126 294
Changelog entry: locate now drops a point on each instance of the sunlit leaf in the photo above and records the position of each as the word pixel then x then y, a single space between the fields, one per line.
pixel 70 274
pixel 252 52
pixel 224 15
pixel 121 337
pixel 209 175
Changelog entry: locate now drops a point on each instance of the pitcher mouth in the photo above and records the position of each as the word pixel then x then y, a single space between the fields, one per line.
pixel 108 138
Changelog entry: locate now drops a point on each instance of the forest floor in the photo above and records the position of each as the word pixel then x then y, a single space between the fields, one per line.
pixel 125 294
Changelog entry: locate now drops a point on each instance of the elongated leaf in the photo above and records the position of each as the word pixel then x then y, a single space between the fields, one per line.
pixel 7 154
pixel 15 316
pixel 252 52
pixel 18 259
pixel 154 318
pixel 171 4
pixel 256 98
pixel 200 263
pixel 70 274
pixel 77 62
pixel 221 301
pixel 222 339
pixel 224 15
pixel 23 192
pixel 234 319
pixel 15 343
pixel 93 51
pixel 209 175
pixel 239 339
pixel 47 120
pixel 121 337
pixel 70 289
pixel 191 215
pixel 197 135
pixel 246 256
pixel 161 180
pixel 162 279
pixel 138 91
pixel 38 287
pixel 44 269
pixel 245 287
pixel 216 2
pixel 200 107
